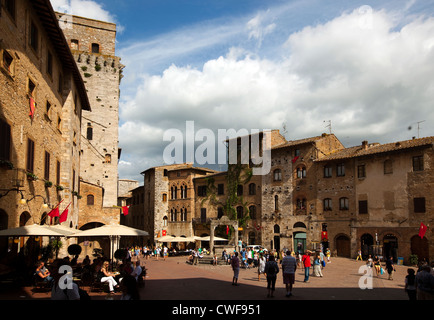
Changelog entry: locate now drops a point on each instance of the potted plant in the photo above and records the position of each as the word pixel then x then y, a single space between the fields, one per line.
pixel 59 188
pixel 6 164
pixel 48 184
pixel 56 245
pixel 31 176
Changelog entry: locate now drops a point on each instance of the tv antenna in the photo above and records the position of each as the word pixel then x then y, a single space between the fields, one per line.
pixel 418 127
pixel 329 125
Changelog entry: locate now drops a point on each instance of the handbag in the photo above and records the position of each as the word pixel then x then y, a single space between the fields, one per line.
pixel 323 263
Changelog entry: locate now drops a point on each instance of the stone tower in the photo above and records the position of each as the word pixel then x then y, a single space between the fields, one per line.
pixel 92 44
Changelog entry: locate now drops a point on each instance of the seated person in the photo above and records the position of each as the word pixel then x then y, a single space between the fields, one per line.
pixel 106 276
pixel 42 272
pixel 137 270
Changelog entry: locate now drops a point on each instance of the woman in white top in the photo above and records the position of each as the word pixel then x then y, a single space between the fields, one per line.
pixel 261 265
pixel 108 277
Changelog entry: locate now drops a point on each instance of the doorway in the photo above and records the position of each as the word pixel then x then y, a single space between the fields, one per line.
pixel 420 248
pixel 343 246
pixel 390 247
pixel 300 242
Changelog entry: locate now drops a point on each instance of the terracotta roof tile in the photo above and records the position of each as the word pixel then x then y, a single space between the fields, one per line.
pixel 376 148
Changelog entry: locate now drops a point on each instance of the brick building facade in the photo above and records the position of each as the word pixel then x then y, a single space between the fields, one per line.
pixel 41 103
pixel 92 44
pixel 318 194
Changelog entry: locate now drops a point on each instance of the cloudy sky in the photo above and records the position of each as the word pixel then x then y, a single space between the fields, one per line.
pixel 365 67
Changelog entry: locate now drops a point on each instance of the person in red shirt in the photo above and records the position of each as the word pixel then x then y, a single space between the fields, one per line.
pixel 306 262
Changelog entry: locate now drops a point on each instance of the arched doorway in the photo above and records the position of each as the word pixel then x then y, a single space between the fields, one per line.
pixel 420 248
pixel 366 243
pixel 390 247
pixel 343 246
pixel 276 237
pixel 300 241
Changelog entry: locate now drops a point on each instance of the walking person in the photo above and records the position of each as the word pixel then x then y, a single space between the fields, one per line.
pixel 425 283
pixel 359 255
pixel 410 284
pixel 390 268
pixel 261 266
pixel 377 265
pixel 271 270
pixel 307 264
pixel 235 264
pixel 289 266
pixel 317 267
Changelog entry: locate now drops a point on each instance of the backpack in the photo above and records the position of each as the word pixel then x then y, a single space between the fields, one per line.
pixel 271 269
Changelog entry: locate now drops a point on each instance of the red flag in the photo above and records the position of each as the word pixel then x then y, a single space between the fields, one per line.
pixel 295 159
pixel 227 229
pixel 32 107
pixel 125 210
pixel 163 233
pixel 64 214
pixel 422 230
pixel 54 212
pixel 324 235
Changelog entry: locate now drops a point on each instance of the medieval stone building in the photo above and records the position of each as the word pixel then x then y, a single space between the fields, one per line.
pixel 317 194
pixel 92 44
pixel 41 104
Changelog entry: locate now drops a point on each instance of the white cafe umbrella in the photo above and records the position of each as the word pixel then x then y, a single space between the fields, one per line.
pixel 66 231
pixel 113 231
pixel 32 230
pixel 207 238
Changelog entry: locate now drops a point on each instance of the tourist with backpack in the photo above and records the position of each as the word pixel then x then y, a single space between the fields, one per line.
pixel 271 270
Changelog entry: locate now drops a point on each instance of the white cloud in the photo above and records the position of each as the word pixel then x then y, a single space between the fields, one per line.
pixel 257 29
pixel 83 8
pixel 369 78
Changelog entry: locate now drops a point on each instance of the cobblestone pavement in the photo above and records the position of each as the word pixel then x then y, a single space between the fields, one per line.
pixel 174 279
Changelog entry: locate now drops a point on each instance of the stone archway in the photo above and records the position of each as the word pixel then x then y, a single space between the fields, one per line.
pixel 222 221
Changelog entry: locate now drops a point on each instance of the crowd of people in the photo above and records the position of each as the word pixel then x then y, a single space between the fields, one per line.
pixel 268 263
pixel 127 277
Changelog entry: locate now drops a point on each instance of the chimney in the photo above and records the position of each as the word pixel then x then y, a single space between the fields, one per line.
pixel 365 145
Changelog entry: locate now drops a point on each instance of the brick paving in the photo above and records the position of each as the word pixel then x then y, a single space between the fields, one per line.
pixel 174 279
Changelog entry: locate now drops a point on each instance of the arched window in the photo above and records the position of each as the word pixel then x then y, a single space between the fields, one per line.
pixel 165 221
pixel 276 228
pixel 183 214
pixel 252 189
pixel 301 203
pixel 277 175
pixel 173 192
pixel 343 204
pixel 299 225
pixel 90 200
pixel 327 204
pixel 301 172
pixel 240 212
pixel 252 212
pixel 239 190
pixel 183 192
